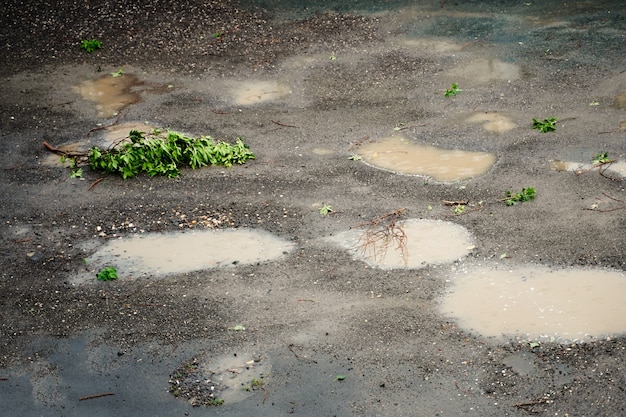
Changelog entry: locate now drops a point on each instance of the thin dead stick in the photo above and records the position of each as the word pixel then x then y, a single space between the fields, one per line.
pixel 96 182
pixel 117 120
pixel 91 397
pixel 219 112
pixel 599 165
pixel 305 299
pixel 455 203
pixel 282 124
pixel 4 379
pixel 300 357
pixel 614 199
pixel 476 42
pixel 264 394
pixel 616 130
pixel 61 152
pixel 530 403
pixel 14 166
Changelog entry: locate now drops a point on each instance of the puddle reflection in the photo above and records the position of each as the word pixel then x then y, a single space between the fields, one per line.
pixel 399 155
pixel 538 302
pixel 111 94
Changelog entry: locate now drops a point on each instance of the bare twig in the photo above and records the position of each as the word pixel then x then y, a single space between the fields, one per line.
pixel 602 166
pixel 282 124
pixel 455 203
pixel 400 129
pixel 91 397
pixel 611 209
pixel 475 42
pixel 380 233
pixel 96 182
pixel 300 357
pixel 14 166
pixel 61 152
pixel 527 406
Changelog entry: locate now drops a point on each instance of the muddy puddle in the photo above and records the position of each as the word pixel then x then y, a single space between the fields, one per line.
pixel 492 121
pixel 538 303
pixel 111 94
pixel 255 92
pixel 398 155
pixel 157 255
pixel 412 244
pixel 482 71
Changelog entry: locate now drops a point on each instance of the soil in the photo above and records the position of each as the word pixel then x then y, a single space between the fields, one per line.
pixel 353 74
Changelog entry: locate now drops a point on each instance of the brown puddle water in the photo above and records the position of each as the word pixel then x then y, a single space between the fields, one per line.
pixel 396 154
pixel 254 92
pixel 173 253
pixel 482 71
pixel 538 302
pixel 616 168
pixel 111 94
pixel 492 121
pixel 427 242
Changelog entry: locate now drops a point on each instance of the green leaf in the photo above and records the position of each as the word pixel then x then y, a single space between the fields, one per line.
pixel 545 125
pixel 340 377
pixel 107 274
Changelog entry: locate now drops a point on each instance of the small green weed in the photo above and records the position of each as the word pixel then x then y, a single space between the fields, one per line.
pixel 218 35
pixel 107 274
pixel 90 45
pixel 118 73
pixel 215 401
pixel 158 153
pixel 459 209
pixel 545 125
pixel 601 158
pixel 76 173
pixel 355 157
pixel 453 91
pixel 526 194
pixel 325 209
pixel 256 383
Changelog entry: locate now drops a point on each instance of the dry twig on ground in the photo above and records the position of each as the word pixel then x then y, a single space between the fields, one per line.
pixel 380 233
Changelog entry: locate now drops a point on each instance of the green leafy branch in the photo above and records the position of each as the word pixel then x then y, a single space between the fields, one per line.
pixel 453 91
pixel 602 158
pixel 158 153
pixel 90 45
pixel 545 125
pixel 526 194
pixel 108 273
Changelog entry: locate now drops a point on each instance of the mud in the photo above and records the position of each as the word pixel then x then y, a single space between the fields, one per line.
pixel 308 85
